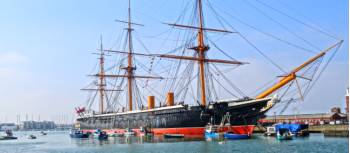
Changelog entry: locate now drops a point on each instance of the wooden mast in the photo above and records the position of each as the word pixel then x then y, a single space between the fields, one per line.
pixel 101 85
pixel 101 79
pixel 129 68
pixel 201 48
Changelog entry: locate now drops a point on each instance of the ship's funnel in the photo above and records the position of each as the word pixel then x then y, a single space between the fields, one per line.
pixel 170 99
pixel 150 102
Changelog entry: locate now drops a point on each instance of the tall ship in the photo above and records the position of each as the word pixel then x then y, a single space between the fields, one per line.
pixel 121 106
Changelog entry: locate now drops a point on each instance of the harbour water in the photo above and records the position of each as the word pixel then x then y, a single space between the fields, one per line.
pixel 60 142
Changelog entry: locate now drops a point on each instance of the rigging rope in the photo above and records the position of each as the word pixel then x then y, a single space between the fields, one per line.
pixel 249 42
pixel 325 66
pixel 284 27
pixel 299 21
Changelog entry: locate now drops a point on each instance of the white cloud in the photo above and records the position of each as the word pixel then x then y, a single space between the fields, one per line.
pixel 12 58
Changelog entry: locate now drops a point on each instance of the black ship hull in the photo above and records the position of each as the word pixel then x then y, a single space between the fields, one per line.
pixel 246 112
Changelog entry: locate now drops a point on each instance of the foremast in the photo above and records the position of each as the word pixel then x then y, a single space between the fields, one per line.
pixel 201 49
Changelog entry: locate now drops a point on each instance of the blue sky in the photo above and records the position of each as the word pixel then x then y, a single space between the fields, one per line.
pixel 46 46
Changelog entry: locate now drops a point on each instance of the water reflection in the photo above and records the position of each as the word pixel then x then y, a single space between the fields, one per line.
pixel 136 140
pixel 161 139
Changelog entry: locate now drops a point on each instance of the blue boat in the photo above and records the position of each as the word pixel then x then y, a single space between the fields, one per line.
pixel 284 134
pixel 74 133
pixel 100 135
pixel 211 131
pixel 211 135
pixel 236 136
pixel 174 135
pixel 294 129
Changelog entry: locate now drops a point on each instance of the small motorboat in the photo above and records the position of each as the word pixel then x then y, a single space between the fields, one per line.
pixel 9 136
pixel 43 133
pixel 270 131
pixel 74 133
pixel 112 134
pixel 211 131
pixel 294 129
pixel 284 134
pixel 236 136
pixel 129 132
pixel 115 134
pixel 174 135
pixel 145 132
pixel 31 136
pixel 100 135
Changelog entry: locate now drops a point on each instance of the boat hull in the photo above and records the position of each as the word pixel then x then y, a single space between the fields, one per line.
pixel 235 136
pixel 182 119
pixel 243 129
pixel 82 135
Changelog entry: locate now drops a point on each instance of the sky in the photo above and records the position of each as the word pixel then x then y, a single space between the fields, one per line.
pixel 46 46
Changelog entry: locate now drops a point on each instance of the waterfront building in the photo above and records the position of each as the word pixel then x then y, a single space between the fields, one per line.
pixel 335 116
pixel 8 126
pixel 36 125
pixel 312 119
pixel 347 102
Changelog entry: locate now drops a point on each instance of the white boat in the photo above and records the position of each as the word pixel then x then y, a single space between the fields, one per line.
pixel 270 131
pixel 129 132
pixel 31 136
pixel 43 133
pixel 115 134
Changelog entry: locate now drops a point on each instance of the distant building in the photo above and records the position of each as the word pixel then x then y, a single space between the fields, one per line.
pixel 334 117
pixel 8 126
pixel 35 125
pixel 64 126
pixel 313 119
pixel 336 110
pixel 347 101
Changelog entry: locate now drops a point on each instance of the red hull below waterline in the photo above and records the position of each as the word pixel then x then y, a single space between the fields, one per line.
pixel 242 129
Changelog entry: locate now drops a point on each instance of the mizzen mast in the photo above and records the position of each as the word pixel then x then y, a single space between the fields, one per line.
pixel 101 79
pixel 101 85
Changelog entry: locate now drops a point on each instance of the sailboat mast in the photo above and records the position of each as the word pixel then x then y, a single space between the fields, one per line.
pixel 101 78
pixel 201 54
pixel 130 67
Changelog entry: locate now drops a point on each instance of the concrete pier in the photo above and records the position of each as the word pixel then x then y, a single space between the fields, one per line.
pixel 331 130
